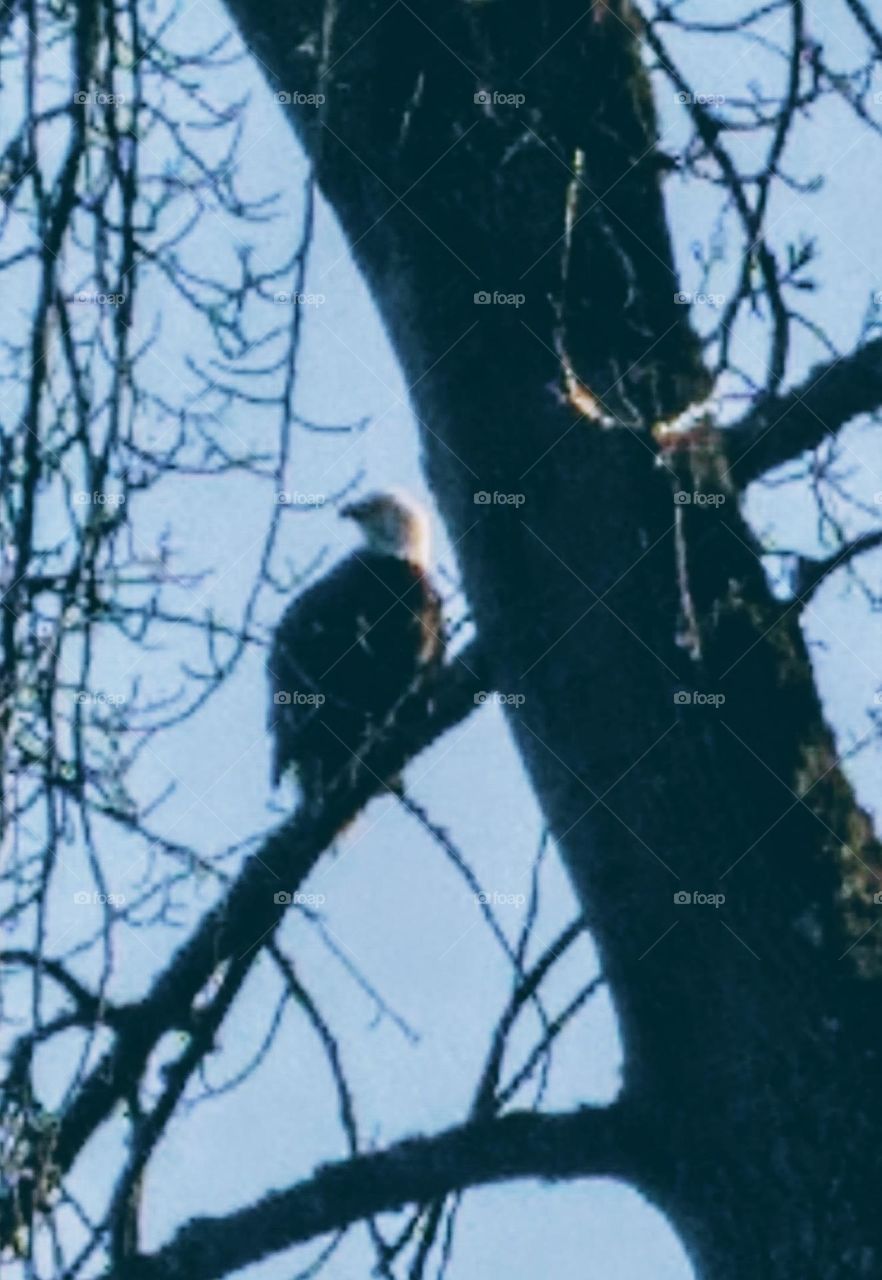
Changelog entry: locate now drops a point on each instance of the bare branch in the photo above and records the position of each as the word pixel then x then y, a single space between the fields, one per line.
pixel 862 16
pixel 780 428
pixel 247 916
pixel 812 573
pixel 597 1142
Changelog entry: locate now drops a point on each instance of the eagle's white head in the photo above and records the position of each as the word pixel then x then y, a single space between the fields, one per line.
pixel 393 524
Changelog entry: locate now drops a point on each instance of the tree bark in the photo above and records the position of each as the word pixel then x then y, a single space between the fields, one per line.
pixel 603 1141
pixel 229 938
pixel 602 594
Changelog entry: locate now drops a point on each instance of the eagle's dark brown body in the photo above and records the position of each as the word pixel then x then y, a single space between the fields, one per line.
pixel 344 656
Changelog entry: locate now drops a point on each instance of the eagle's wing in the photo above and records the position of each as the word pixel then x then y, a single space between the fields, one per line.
pixel 294 668
pixel 344 654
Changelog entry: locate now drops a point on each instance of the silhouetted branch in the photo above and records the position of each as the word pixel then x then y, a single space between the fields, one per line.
pixel 780 428
pixel 871 29
pixel 245 920
pixel 812 573
pixel 596 1142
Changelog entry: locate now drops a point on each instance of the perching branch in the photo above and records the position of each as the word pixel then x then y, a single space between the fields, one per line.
pixel 813 572
pixel 780 428
pixel 591 1141
pixel 247 916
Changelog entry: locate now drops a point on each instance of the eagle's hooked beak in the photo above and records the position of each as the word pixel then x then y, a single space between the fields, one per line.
pixel 352 511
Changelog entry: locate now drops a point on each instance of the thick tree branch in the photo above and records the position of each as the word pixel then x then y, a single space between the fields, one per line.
pixel 247 916
pixel 812 573
pixel 780 428
pixel 597 1142
pixel 642 735
pixel 872 31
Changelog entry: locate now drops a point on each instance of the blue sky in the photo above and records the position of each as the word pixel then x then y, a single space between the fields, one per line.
pixel 391 902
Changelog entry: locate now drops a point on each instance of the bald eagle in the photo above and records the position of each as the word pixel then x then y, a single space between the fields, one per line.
pixel 350 648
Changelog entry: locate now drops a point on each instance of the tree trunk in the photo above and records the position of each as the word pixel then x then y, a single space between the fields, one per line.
pixel 600 595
